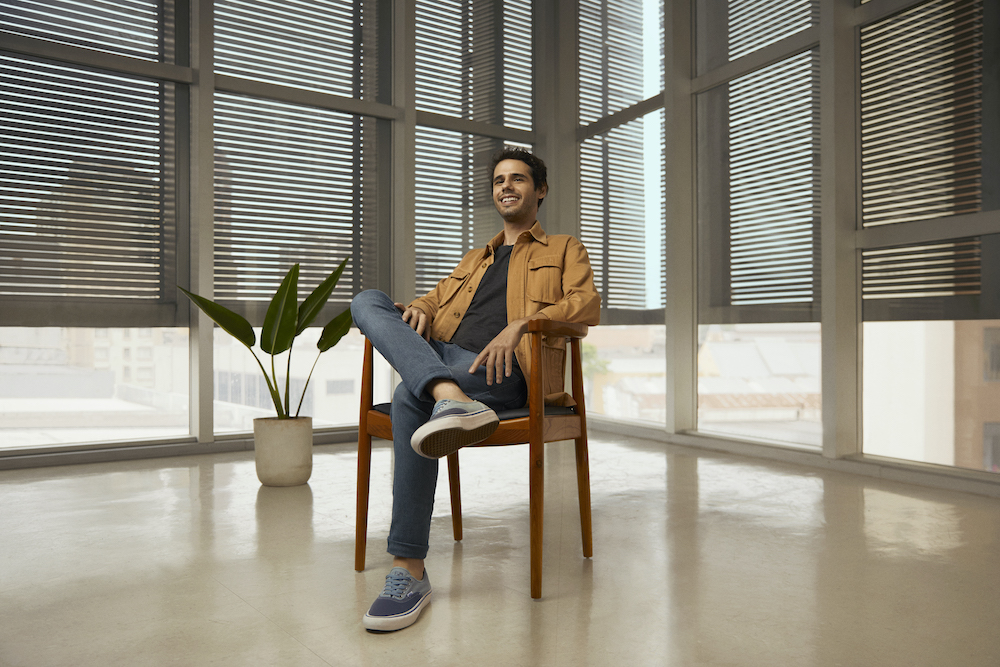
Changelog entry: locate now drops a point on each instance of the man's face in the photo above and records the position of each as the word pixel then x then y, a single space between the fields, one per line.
pixel 514 192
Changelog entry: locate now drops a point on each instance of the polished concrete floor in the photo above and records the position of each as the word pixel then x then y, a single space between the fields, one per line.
pixel 700 559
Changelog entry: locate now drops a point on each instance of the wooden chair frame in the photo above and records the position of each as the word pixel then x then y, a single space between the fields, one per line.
pixel 535 429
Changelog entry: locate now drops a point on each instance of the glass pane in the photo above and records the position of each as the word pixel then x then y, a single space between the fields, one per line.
pixel 332 397
pixel 729 29
pixel 622 212
pixel 454 200
pixel 473 60
pixel 758 195
pixel 621 55
pixel 931 392
pixel 66 386
pixel 761 381
pixel 134 28
pixel 328 46
pixel 925 149
pixel 624 370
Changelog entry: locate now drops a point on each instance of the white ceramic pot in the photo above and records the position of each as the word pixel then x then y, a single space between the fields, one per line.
pixel 283 450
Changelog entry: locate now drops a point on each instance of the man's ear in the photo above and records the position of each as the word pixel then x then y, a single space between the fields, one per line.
pixel 541 192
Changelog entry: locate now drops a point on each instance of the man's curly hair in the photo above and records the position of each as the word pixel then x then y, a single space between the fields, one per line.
pixel 539 172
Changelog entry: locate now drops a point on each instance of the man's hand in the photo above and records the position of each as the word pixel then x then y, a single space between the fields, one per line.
pixel 417 319
pixel 498 356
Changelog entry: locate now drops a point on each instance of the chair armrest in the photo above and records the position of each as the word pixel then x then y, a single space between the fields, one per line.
pixel 553 328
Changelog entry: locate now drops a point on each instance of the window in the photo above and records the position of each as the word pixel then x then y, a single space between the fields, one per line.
pixel 759 195
pixel 730 29
pixel 340 386
pixel 473 62
pixel 921 113
pixel 327 46
pixel 290 188
pixel 136 28
pixel 84 186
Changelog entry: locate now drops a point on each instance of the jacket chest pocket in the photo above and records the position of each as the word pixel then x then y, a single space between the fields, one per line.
pixel 450 286
pixel 544 280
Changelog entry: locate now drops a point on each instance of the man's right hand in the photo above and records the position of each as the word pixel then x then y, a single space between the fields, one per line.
pixel 417 319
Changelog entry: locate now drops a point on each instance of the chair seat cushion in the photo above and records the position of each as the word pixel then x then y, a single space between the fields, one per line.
pixel 519 413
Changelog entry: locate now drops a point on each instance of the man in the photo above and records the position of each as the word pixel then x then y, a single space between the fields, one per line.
pixel 462 356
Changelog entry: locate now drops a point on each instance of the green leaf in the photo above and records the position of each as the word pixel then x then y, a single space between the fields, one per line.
pixel 336 329
pixel 232 323
pixel 315 301
pixel 279 322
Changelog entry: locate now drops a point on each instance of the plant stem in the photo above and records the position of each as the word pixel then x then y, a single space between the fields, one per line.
pixel 270 388
pixel 288 381
pixel 282 410
pixel 306 385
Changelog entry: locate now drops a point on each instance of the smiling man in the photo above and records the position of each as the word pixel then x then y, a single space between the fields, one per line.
pixel 461 354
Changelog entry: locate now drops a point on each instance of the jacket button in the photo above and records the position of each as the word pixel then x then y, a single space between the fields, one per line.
pixel 457 314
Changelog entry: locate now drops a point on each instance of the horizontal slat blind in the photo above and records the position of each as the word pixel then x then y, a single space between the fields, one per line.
pixel 610 48
pixel 454 203
pixel 289 188
pixel 82 183
pixel 613 214
pixel 474 60
pixel 932 270
pixel 773 190
pixel 753 24
pixel 124 27
pixel 621 207
pixel 921 113
pixel 313 45
pixel 518 99
pixel 442 84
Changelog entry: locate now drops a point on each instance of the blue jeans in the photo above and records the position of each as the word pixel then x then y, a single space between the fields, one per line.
pixel 419 362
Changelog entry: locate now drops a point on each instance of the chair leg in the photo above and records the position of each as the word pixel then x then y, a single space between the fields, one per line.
pixel 456 496
pixel 583 487
pixel 536 494
pixel 364 478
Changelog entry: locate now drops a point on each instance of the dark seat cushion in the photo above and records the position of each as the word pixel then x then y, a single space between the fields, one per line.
pixel 519 413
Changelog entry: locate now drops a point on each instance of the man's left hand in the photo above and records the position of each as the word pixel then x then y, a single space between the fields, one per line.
pixel 498 356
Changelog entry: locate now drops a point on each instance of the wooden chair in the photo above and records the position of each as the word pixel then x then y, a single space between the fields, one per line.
pixel 527 425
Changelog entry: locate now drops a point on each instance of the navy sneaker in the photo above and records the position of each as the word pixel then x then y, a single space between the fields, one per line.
pixel 453 425
pixel 400 602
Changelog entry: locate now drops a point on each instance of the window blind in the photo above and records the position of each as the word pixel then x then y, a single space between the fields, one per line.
pixel 614 186
pixel 124 27
pixel 474 60
pixel 610 47
pixel 84 184
pixel 944 269
pixel 753 24
pixel 773 189
pixel 621 204
pixel 921 113
pixel 758 195
pixel 290 188
pixel 320 45
pixel 454 201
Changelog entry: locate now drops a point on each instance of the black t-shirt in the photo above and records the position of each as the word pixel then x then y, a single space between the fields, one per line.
pixel 487 314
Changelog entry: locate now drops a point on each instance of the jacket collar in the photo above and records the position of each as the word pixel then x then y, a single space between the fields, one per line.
pixel 536 232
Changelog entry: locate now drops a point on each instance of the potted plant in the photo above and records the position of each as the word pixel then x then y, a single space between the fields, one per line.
pixel 283 444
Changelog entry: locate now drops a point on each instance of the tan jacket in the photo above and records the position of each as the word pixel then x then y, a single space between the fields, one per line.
pixel 550 275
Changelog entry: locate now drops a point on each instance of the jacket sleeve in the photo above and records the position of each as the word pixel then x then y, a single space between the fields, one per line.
pixel 580 302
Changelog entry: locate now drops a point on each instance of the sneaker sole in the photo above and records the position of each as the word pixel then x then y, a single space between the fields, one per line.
pixel 379 624
pixel 447 435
